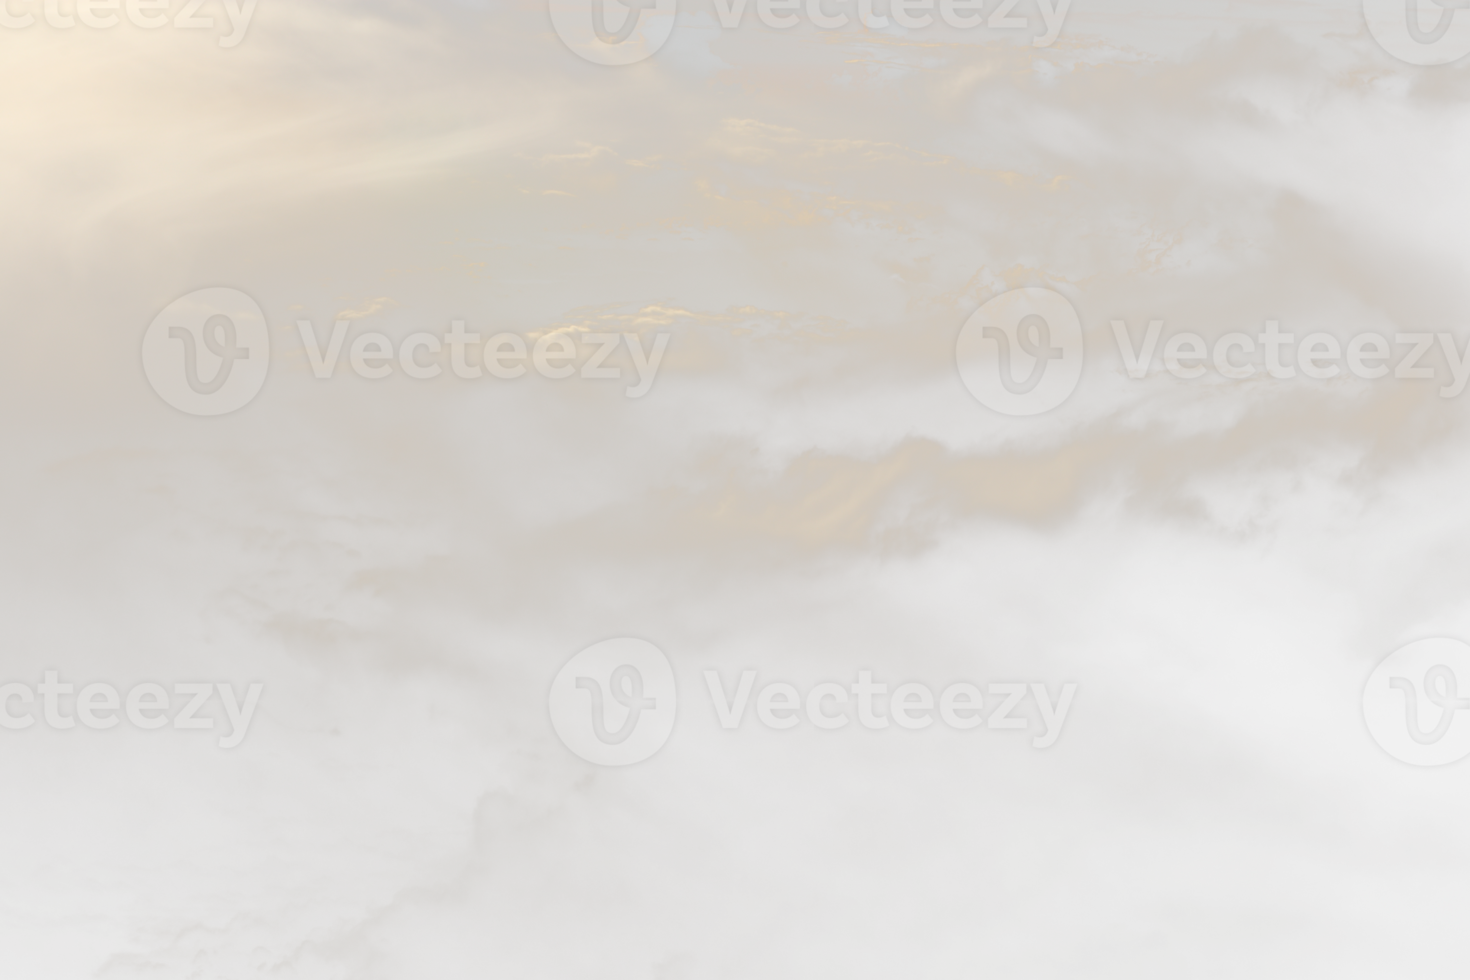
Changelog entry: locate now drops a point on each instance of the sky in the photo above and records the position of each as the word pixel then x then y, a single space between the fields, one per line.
pixel 806 489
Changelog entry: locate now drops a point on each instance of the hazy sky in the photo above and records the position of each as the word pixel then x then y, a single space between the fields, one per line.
pixel 807 490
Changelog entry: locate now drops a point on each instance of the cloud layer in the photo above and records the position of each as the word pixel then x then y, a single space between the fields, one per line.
pixel 808 490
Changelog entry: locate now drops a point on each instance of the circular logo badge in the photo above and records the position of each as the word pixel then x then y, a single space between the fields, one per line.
pixel 575 22
pixel 208 352
pixel 1021 353
pixel 1414 700
pixel 614 703
pixel 1421 32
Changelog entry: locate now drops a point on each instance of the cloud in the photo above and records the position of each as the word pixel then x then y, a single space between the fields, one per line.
pixel 1250 112
pixel 808 491
pixel 374 307
pixel 688 46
